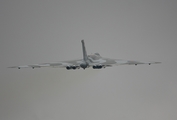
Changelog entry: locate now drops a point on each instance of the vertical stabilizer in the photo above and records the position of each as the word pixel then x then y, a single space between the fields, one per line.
pixel 84 51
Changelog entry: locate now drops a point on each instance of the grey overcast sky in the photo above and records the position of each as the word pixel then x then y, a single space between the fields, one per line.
pixel 38 31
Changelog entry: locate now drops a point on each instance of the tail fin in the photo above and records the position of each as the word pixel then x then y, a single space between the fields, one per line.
pixel 84 50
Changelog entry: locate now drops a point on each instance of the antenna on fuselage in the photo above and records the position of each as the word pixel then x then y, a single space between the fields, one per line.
pixel 84 51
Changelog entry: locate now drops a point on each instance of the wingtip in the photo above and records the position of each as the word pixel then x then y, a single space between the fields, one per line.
pixel 14 67
pixel 158 62
pixel 11 67
pixel 154 63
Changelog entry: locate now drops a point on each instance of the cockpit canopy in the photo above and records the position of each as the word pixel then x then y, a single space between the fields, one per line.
pixel 97 54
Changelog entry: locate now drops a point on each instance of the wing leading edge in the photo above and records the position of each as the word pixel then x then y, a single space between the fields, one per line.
pixel 62 64
pixel 106 62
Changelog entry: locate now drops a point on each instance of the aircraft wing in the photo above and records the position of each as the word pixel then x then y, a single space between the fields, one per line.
pixel 106 62
pixel 62 64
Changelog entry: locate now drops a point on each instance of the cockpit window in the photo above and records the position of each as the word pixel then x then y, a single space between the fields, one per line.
pixel 94 57
pixel 97 54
